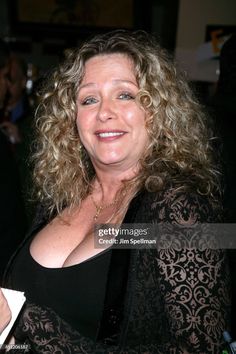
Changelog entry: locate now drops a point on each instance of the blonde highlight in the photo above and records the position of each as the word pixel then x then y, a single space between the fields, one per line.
pixel 180 144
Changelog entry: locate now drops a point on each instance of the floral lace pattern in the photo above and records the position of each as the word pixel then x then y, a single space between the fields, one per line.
pixel 194 282
pixel 180 298
pixel 47 333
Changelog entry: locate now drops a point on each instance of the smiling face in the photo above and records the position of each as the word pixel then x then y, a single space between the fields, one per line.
pixel 111 123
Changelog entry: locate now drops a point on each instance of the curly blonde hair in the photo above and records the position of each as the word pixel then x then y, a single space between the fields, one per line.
pixel 180 144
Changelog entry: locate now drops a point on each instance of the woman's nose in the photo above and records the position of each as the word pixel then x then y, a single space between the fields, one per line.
pixel 106 110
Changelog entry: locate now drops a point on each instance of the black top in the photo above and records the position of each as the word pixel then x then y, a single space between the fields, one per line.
pixel 76 292
pixel 173 298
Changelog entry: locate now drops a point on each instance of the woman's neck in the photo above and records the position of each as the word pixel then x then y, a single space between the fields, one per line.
pixel 111 180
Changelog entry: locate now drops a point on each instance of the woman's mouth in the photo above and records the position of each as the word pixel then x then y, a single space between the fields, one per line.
pixel 109 135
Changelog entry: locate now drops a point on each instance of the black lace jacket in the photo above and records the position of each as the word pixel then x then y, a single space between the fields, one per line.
pixel 176 300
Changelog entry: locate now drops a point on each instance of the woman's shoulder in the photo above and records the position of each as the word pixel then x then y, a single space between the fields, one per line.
pixel 182 205
pixel 41 217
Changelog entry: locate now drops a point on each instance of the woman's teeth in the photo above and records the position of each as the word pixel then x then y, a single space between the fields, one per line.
pixel 110 134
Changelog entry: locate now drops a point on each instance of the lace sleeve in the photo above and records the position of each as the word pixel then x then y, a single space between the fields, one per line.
pixel 43 331
pixel 194 282
pixel 194 289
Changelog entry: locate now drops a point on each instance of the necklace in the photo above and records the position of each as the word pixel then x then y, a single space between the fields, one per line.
pixel 101 207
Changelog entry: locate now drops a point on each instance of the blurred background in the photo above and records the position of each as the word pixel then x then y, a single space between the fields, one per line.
pixel 40 30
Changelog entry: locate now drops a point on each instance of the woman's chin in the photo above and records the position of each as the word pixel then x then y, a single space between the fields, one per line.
pixel 109 161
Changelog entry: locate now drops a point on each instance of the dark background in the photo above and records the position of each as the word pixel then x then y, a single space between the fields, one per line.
pixel 43 43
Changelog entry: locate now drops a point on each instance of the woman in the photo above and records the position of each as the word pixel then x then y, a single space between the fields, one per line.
pixel 120 140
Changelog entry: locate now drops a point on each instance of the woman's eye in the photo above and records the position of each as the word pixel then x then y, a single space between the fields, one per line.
pixel 88 101
pixel 126 96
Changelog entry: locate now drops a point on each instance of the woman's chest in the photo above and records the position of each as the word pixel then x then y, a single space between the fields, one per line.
pixel 65 241
pixel 69 291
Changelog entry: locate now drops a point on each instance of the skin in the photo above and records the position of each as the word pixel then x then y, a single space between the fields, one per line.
pixel 106 105
pixel 4 311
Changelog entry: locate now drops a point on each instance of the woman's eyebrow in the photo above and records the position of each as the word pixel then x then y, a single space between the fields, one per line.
pixel 125 81
pixel 116 81
pixel 87 85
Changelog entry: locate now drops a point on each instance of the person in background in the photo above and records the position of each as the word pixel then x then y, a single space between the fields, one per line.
pixel 17 103
pixel 18 123
pixel 121 140
pixel 223 103
pixel 4 72
pixel 12 215
pixel 14 102
pixel 224 113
